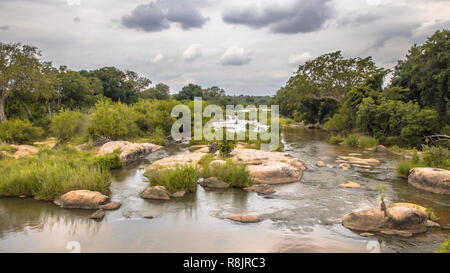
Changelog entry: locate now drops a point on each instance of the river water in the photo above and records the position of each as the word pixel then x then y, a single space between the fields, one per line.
pixel 300 217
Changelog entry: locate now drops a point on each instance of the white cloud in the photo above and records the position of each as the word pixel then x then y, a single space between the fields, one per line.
pixel 300 58
pixel 157 58
pixel 192 52
pixel 235 56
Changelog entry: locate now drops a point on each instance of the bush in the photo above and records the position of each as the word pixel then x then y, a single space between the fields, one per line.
pixel 113 120
pixel 236 175
pixel 367 142
pixel 335 140
pixel 436 157
pixel 445 247
pixel 157 137
pixel 66 124
pixel 19 131
pixel 226 147
pixel 351 140
pixel 52 173
pixel 404 166
pixel 174 179
pixel 109 162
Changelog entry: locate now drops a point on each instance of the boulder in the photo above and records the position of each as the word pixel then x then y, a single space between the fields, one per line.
pixel 350 184
pixel 110 206
pixel 261 188
pixel 82 199
pixel 129 152
pixel 320 163
pixel 197 147
pixel 359 162
pixel 366 234
pixel 381 149
pixel 214 183
pixel 409 205
pixel 24 150
pixel 398 221
pixel 430 179
pixel 345 166
pixel 178 194
pixel 191 159
pixel 269 167
pixel 148 216
pixel 243 218
pixel 431 224
pixel 156 192
pixel 98 215
pixel 100 141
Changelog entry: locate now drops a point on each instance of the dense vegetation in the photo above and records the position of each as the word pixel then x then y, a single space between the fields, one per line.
pixel 349 95
pixel 181 178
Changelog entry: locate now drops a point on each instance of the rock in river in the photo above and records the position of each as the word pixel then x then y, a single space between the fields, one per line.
pixel 359 162
pixel 98 215
pixel 82 199
pixel 320 163
pixel 345 166
pixel 129 152
pixel 269 167
pixel 430 179
pixel 350 184
pixel 177 160
pixel 110 206
pixel 261 188
pixel 214 183
pixel 398 221
pixel 243 218
pixel 156 192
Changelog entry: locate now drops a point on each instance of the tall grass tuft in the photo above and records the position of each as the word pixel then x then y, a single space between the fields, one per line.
pixel 351 140
pixel 367 142
pixel 174 179
pixel 51 173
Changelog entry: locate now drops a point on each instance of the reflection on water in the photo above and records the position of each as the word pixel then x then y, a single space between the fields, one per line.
pixel 299 217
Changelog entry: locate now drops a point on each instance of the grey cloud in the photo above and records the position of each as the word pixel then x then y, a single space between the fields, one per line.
pixel 76 19
pixel 4 28
pixel 158 16
pixel 235 56
pixel 301 17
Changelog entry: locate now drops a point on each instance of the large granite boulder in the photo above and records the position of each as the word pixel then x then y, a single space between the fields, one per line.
pixel 24 150
pixel 82 199
pixel 156 192
pixel 190 159
pixel 129 152
pixel 397 221
pixel 269 167
pixel 430 179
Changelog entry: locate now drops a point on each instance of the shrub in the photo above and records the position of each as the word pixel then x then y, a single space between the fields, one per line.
pixel 174 179
pixel 157 137
pixel 236 175
pixel 445 247
pixel 52 173
pixel 113 120
pixel 19 131
pixel 226 147
pixel 109 162
pixel 404 166
pixel 351 140
pixel 335 140
pixel 66 124
pixel 436 157
pixel 367 142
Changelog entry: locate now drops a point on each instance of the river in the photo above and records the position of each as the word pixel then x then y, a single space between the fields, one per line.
pixel 300 217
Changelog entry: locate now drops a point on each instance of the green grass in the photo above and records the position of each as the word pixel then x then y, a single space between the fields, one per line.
pixel 236 175
pixel 174 179
pixel 335 139
pixel 367 142
pixel 445 247
pixel 351 140
pixel 51 173
pixel 434 157
pixel 109 162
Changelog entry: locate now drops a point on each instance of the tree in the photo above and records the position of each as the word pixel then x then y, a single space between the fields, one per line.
pixel 425 72
pixel 77 91
pixel 21 73
pixel 189 92
pixel 160 92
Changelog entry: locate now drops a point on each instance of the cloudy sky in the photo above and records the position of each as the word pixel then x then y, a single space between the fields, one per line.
pixel 243 46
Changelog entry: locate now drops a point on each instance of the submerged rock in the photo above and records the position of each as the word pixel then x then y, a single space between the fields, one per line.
pixel 110 206
pixel 129 152
pixel 156 192
pixel 261 188
pixel 269 167
pixel 359 162
pixel 214 183
pixel 98 215
pixel 381 149
pixel 350 184
pixel 243 218
pixel 345 166
pixel 398 221
pixel 82 199
pixel 320 163
pixel 430 179
pixel 178 194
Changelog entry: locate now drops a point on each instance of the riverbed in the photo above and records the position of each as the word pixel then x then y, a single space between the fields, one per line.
pixel 299 217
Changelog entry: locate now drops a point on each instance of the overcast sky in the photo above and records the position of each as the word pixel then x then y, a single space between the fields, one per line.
pixel 243 46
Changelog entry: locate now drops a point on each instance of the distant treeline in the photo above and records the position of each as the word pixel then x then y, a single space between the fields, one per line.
pixel 349 95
